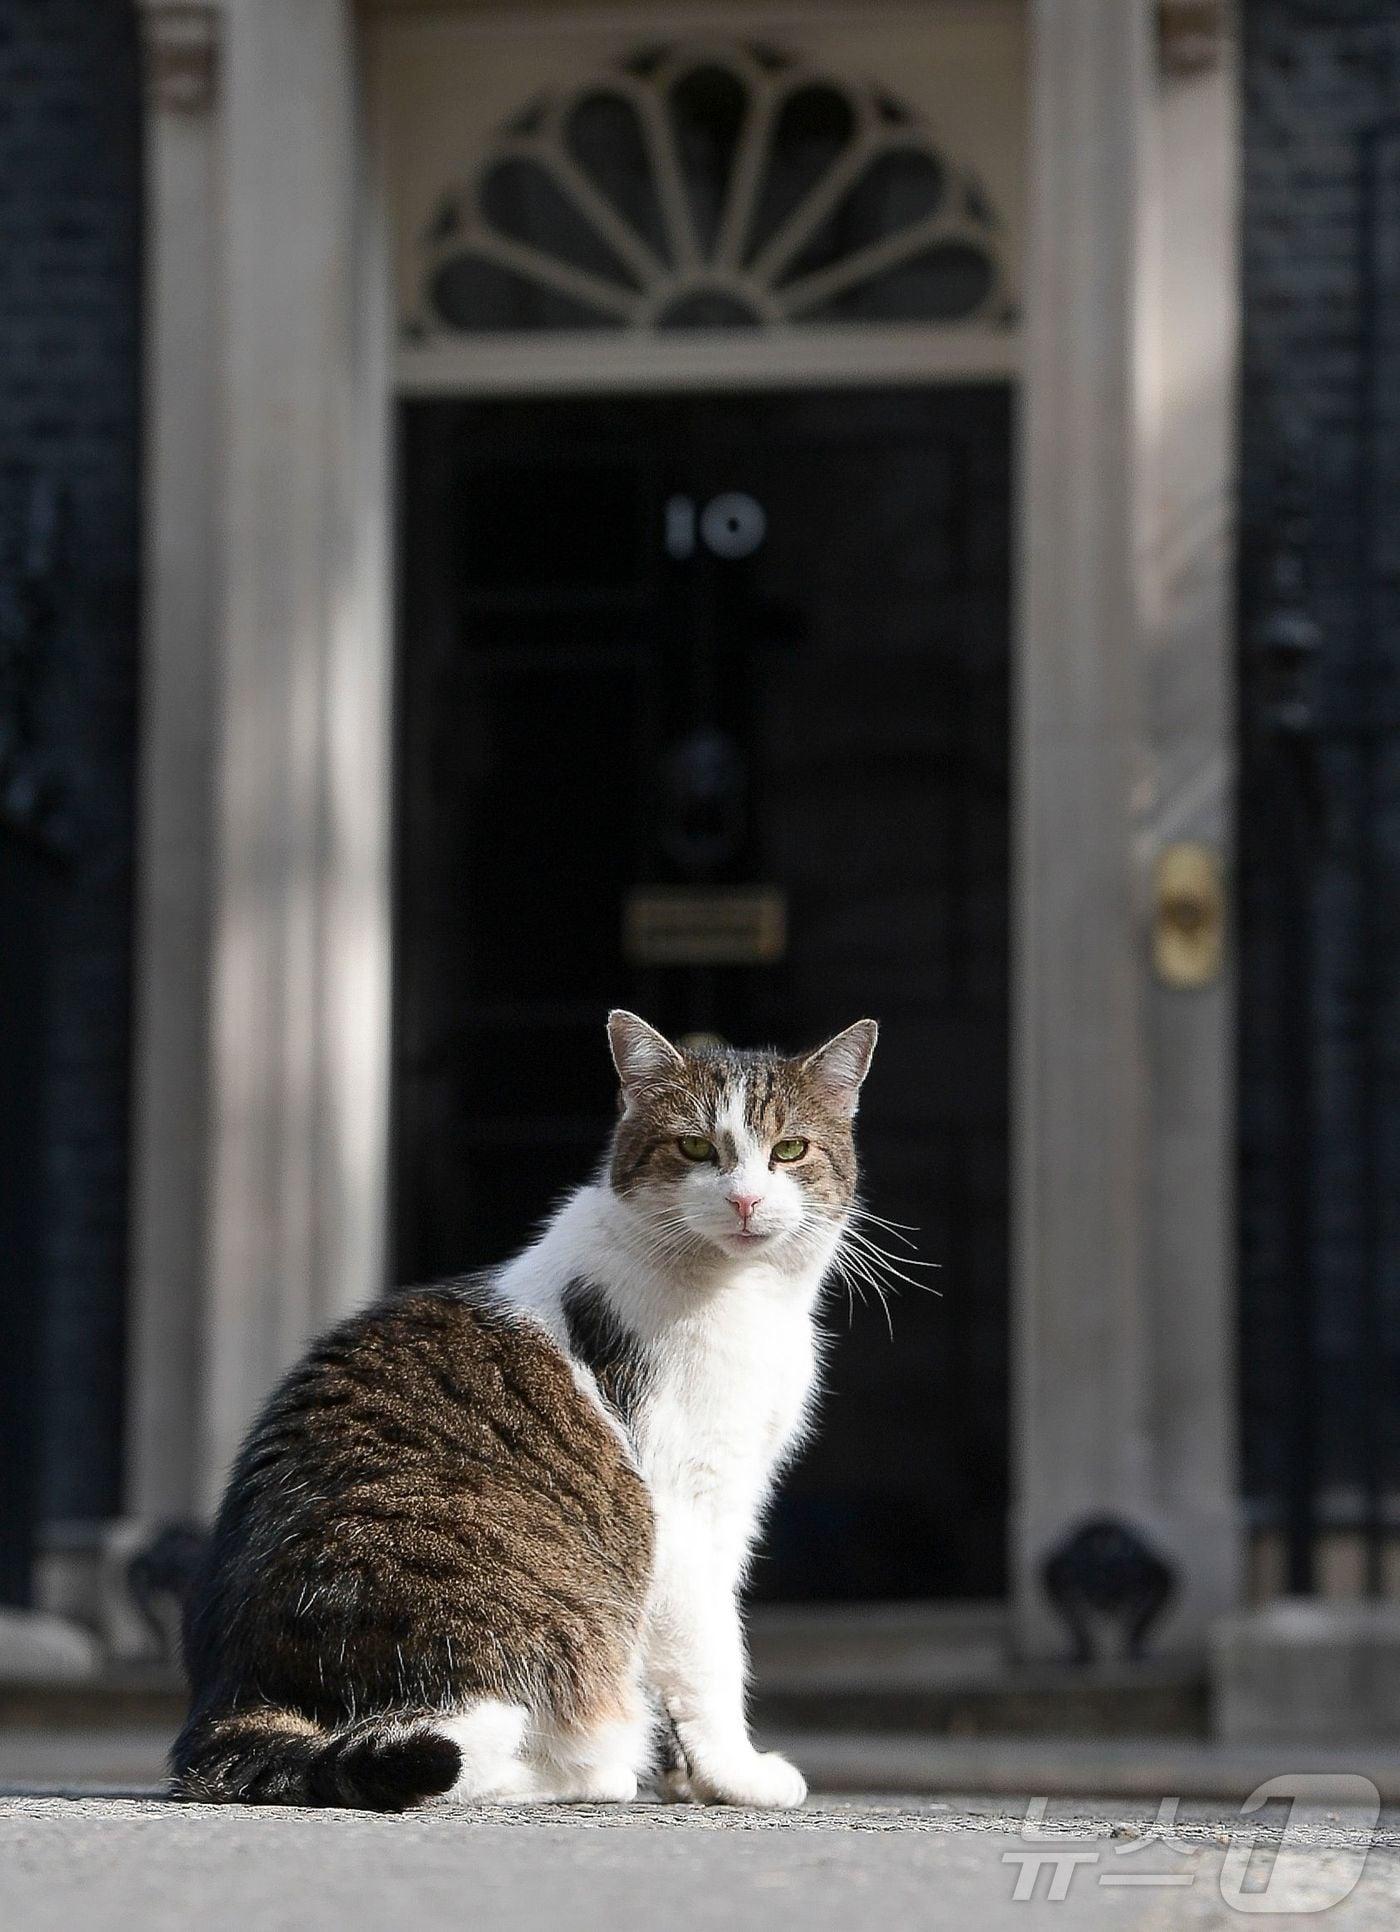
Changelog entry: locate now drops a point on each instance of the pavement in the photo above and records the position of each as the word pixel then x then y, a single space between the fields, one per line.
pixel 138 1864
pixel 963 1806
pixel 88 1844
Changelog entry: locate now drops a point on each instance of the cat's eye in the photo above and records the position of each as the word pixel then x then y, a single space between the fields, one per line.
pixel 696 1148
pixel 789 1150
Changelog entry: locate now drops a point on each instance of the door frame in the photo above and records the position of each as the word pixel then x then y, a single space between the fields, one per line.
pixel 809 358
pixel 1123 1127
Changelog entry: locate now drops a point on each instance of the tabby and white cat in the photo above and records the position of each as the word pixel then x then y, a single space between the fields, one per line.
pixel 486 1540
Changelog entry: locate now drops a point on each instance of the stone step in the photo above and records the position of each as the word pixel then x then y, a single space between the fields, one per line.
pixel 946 1668
pixel 1011 1703
pixel 933 1668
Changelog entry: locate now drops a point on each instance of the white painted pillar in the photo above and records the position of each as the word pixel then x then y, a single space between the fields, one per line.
pixel 1189 412
pixel 175 818
pixel 299 1056
pixel 1123 1319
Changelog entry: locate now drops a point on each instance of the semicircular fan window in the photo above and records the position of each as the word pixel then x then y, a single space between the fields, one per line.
pixel 696 187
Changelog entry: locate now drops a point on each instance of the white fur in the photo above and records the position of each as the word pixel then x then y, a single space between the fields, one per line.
pixel 732 1364
pixel 510 1758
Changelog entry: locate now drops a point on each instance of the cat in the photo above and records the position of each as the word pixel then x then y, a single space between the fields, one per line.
pixel 485 1542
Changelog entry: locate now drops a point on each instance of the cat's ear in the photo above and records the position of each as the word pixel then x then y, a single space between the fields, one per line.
pixel 839 1068
pixel 642 1056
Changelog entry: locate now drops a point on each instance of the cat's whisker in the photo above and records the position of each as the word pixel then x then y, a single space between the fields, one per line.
pixel 900 1260
pixel 845 1282
pixel 869 1214
pixel 850 1280
pixel 859 1271
pixel 888 1265
pixel 670 1237
pixel 883 1269
pixel 889 1274
pixel 902 1231
pixel 853 1269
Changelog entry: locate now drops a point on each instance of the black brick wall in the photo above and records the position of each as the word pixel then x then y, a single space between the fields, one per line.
pixel 1321 402
pixel 69 293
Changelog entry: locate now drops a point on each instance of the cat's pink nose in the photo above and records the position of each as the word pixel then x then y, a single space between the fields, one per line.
pixel 744 1204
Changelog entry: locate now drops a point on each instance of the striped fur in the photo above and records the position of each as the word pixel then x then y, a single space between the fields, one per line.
pixel 486 1540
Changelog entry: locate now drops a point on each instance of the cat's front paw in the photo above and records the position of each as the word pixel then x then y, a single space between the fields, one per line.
pixel 763 1780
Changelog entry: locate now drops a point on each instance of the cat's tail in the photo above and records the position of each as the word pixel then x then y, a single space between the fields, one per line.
pixel 263 1755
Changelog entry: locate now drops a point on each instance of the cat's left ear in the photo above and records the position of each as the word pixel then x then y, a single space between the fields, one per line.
pixel 839 1068
pixel 643 1057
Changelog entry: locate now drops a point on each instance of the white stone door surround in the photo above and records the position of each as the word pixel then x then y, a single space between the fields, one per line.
pixel 270 382
pixel 267 496
pixel 1123 1285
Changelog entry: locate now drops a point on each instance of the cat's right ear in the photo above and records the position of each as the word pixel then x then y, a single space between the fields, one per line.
pixel 643 1057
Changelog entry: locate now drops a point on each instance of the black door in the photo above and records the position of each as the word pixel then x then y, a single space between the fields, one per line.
pixel 714 645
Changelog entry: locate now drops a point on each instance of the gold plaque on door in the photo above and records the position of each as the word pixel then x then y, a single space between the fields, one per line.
pixel 704 925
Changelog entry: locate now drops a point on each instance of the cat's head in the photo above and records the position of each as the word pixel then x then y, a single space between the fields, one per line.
pixel 737 1153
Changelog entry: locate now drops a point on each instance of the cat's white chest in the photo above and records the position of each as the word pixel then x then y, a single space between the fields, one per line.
pixel 728 1390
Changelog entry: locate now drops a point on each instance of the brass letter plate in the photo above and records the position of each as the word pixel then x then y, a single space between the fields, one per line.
pixel 704 925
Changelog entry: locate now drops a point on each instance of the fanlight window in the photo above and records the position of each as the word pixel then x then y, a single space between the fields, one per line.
pixel 702 188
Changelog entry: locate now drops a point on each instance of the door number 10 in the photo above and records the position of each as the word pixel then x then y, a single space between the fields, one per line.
pixel 731 525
